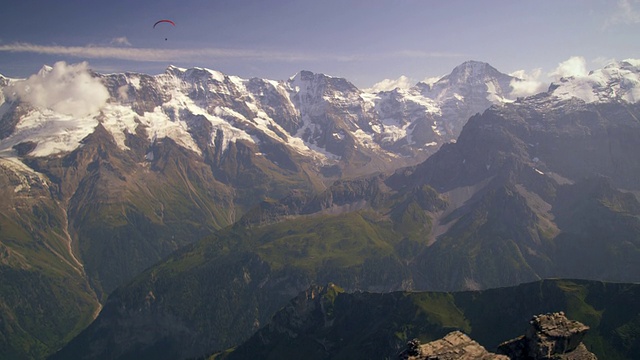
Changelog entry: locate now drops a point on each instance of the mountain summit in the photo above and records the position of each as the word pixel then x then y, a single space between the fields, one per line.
pixel 618 81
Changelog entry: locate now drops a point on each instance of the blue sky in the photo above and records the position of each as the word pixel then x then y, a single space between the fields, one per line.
pixel 364 41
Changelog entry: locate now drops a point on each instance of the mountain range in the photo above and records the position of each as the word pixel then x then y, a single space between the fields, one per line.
pixel 445 186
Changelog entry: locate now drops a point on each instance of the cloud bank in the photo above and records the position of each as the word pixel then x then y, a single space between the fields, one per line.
pixel 402 82
pixel 63 88
pixel 527 84
pixel 574 66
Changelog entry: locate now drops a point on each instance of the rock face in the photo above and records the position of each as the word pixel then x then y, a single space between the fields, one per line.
pixel 550 336
pixel 454 346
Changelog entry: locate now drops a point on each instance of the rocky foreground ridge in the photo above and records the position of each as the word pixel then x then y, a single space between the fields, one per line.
pixel 549 336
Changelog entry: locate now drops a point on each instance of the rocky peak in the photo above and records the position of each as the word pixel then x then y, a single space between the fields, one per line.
pixel 549 336
pixel 309 308
pixel 470 88
pixel 467 75
pixel 454 346
pixel 472 71
pixel 307 82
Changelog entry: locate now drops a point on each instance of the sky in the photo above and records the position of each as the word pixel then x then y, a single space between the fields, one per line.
pixel 364 41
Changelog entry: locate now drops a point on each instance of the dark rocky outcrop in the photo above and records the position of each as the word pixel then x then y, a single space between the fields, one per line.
pixel 550 336
pixel 454 346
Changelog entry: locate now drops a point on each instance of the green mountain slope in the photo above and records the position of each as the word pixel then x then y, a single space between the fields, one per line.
pixel 218 291
pixel 75 227
pixel 45 299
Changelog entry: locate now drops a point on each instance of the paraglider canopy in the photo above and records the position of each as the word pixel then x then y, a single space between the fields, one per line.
pixel 164 21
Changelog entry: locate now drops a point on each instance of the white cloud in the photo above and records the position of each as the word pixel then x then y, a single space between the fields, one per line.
pixel 626 12
pixel 402 82
pixel 430 80
pixel 66 89
pixel 527 84
pixel 574 66
pixel 123 92
pixel 122 41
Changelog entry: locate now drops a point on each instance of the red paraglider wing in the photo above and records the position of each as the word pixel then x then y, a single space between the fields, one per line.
pixel 161 21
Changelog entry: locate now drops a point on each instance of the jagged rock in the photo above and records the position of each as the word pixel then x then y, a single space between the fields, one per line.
pixel 455 345
pixel 550 336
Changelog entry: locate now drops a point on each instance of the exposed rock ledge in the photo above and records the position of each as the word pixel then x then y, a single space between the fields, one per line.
pixel 549 337
pixel 454 346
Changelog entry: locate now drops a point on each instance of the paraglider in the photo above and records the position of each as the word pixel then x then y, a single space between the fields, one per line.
pixel 164 21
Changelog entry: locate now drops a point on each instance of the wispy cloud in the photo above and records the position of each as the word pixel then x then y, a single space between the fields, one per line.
pixel 402 82
pixel 122 41
pixel 627 12
pixel 145 54
pixel 169 55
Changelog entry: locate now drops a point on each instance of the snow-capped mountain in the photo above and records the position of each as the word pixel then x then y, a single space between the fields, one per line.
pixel 618 81
pixel 323 118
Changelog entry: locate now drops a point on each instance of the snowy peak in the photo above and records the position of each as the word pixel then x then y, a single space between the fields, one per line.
pixel 45 70
pixel 320 84
pixel 474 79
pixel 470 88
pixel 313 114
pixel 473 72
pixel 195 73
pixel 618 81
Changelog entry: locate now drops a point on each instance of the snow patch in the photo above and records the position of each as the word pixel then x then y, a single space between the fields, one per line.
pixel 53 133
